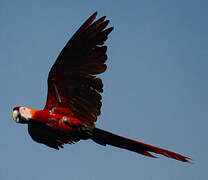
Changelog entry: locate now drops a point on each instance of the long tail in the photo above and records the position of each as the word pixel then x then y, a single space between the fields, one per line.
pixel 106 138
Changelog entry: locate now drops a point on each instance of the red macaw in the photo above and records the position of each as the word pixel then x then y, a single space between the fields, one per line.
pixel 74 100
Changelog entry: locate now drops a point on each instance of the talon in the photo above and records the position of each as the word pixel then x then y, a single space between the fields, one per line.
pixel 66 121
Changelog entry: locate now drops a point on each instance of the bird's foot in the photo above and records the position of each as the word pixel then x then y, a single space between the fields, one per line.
pixel 66 121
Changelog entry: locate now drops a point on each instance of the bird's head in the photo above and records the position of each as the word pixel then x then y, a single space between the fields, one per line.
pixel 22 114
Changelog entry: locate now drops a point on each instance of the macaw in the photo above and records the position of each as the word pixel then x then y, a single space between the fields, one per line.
pixel 74 97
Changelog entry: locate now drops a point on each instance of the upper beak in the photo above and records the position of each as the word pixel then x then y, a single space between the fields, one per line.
pixel 15 115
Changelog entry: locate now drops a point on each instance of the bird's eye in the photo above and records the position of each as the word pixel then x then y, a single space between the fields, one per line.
pixel 23 109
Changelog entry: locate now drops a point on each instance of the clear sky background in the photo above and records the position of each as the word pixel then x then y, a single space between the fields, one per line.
pixel 155 87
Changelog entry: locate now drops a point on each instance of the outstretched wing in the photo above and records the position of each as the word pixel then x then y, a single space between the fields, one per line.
pixel 72 82
pixel 49 136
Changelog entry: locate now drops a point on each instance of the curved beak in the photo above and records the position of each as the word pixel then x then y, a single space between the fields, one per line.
pixel 15 116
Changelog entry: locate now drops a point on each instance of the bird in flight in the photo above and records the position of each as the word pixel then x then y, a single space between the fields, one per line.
pixel 74 96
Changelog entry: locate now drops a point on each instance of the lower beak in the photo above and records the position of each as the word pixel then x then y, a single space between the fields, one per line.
pixel 15 116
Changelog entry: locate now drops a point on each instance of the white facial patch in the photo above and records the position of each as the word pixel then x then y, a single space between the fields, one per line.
pixel 25 113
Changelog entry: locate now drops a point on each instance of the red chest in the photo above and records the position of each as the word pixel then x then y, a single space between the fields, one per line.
pixel 58 119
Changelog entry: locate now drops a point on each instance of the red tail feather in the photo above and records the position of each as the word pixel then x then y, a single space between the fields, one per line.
pixel 103 137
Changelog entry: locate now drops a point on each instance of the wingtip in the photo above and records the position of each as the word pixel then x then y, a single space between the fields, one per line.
pixel 103 18
pixel 95 13
pixel 109 30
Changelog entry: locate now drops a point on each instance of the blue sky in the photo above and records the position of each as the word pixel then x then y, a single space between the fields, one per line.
pixel 155 87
